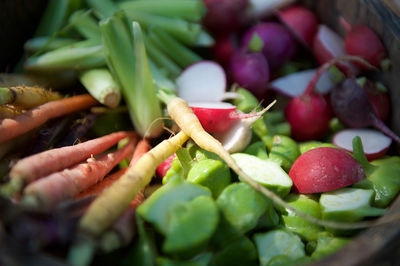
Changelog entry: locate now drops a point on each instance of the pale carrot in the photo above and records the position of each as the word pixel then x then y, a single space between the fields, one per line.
pixel 11 128
pixel 42 164
pixel 60 186
pixel 111 204
pixel 27 96
pixel 141 148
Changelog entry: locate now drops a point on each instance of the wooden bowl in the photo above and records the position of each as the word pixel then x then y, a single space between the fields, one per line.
pixel 375 246
pixel 378 245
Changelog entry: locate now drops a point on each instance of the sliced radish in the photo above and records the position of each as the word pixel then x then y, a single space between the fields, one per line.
pixel 301 21
pixel 295 84
pixel 328 45
pixel 202 81
pixel 375 143
pixel 262 8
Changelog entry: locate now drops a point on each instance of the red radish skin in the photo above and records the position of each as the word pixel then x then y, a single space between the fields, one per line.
pixel 375 143
pixel 328 45
pixel 324 169
pixel 362 41
pixel 163 168
pixel 379 100
pixel 301 21
pixel 279 45
pixel 224 48
pixel 214 117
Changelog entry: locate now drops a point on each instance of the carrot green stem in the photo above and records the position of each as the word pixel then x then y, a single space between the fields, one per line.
pixel 85 24
pixel 27 97
pixel 127 59
pixel 45 43
pixel 103 8
pixel 191 10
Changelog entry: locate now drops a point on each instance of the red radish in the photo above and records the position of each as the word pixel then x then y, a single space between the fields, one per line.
pixel 163 168
pixel 279 45
pixel 301 21
pixel 202 81
pixel 351 105
pixel 224 16
pixel 218 116
pixel 374 142
pixel 224 48
pixel 324 169
pixel 251 71
pixel 328 45
pixel 295 84
pixel 363 41
pixel 378 98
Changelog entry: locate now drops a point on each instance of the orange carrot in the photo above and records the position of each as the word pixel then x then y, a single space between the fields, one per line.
pixel 66 184
pixel 13 127
pixel 142 147
pixel 42 164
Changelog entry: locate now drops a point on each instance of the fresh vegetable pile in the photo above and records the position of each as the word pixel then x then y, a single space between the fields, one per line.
pixel 193 132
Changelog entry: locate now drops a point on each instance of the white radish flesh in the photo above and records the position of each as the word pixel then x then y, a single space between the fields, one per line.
pixel 375 143
pixel 202 81
pixel 295 84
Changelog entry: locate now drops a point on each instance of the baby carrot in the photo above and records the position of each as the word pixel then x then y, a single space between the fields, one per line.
pixel 42 164
pixel 142 147
pixel 10 128
pixel 57 187
pixel 112 203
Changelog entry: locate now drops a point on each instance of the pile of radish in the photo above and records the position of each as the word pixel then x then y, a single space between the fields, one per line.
pixel 276 142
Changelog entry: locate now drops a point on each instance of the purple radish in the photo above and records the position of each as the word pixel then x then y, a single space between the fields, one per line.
pixel 224 16
pixel 351 105
pixel 301 21
pixel 251 71
pixel 375 143
pixel 202 81
pixel 295 84
pixel 279 45
pixel 328 45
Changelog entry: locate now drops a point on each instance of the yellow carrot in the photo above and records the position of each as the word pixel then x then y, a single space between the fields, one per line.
pixel 9 111
pixel 112 203
pixel 27 96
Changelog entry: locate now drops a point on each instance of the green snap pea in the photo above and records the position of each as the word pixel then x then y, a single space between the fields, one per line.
pixel 309 145
pixel 210 173
pixel 239 252
pixel 156 208
pixel 247 102
pixel 175 173
pixel 242 206
pixel 183 236
pixel 284 151
pixel 200 260
pixel 307 204
pixel 257 149
pixel 328 244
pixel 382 176
pixel 278 246
pixel 265 172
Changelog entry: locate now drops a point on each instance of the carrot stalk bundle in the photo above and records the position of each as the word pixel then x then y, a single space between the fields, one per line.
pixel 10 128
pixel 66 184
pixel 26 96
pixel 42 164
pixel 112 203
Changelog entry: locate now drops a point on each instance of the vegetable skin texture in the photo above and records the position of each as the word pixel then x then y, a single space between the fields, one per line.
pixel 324 169
pixel 57 187
pixel 106 208
pixel 31 168
pixel 11 128
pixel 362 41
pixel 27 97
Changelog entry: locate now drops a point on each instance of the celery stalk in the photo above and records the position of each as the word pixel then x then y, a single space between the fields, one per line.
pixel 102 86
pixel 160 78
pixel 182 30
pixel 180 53
pixel 85 24
pixel 126 57
pixel 78 56
pixel 191 10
